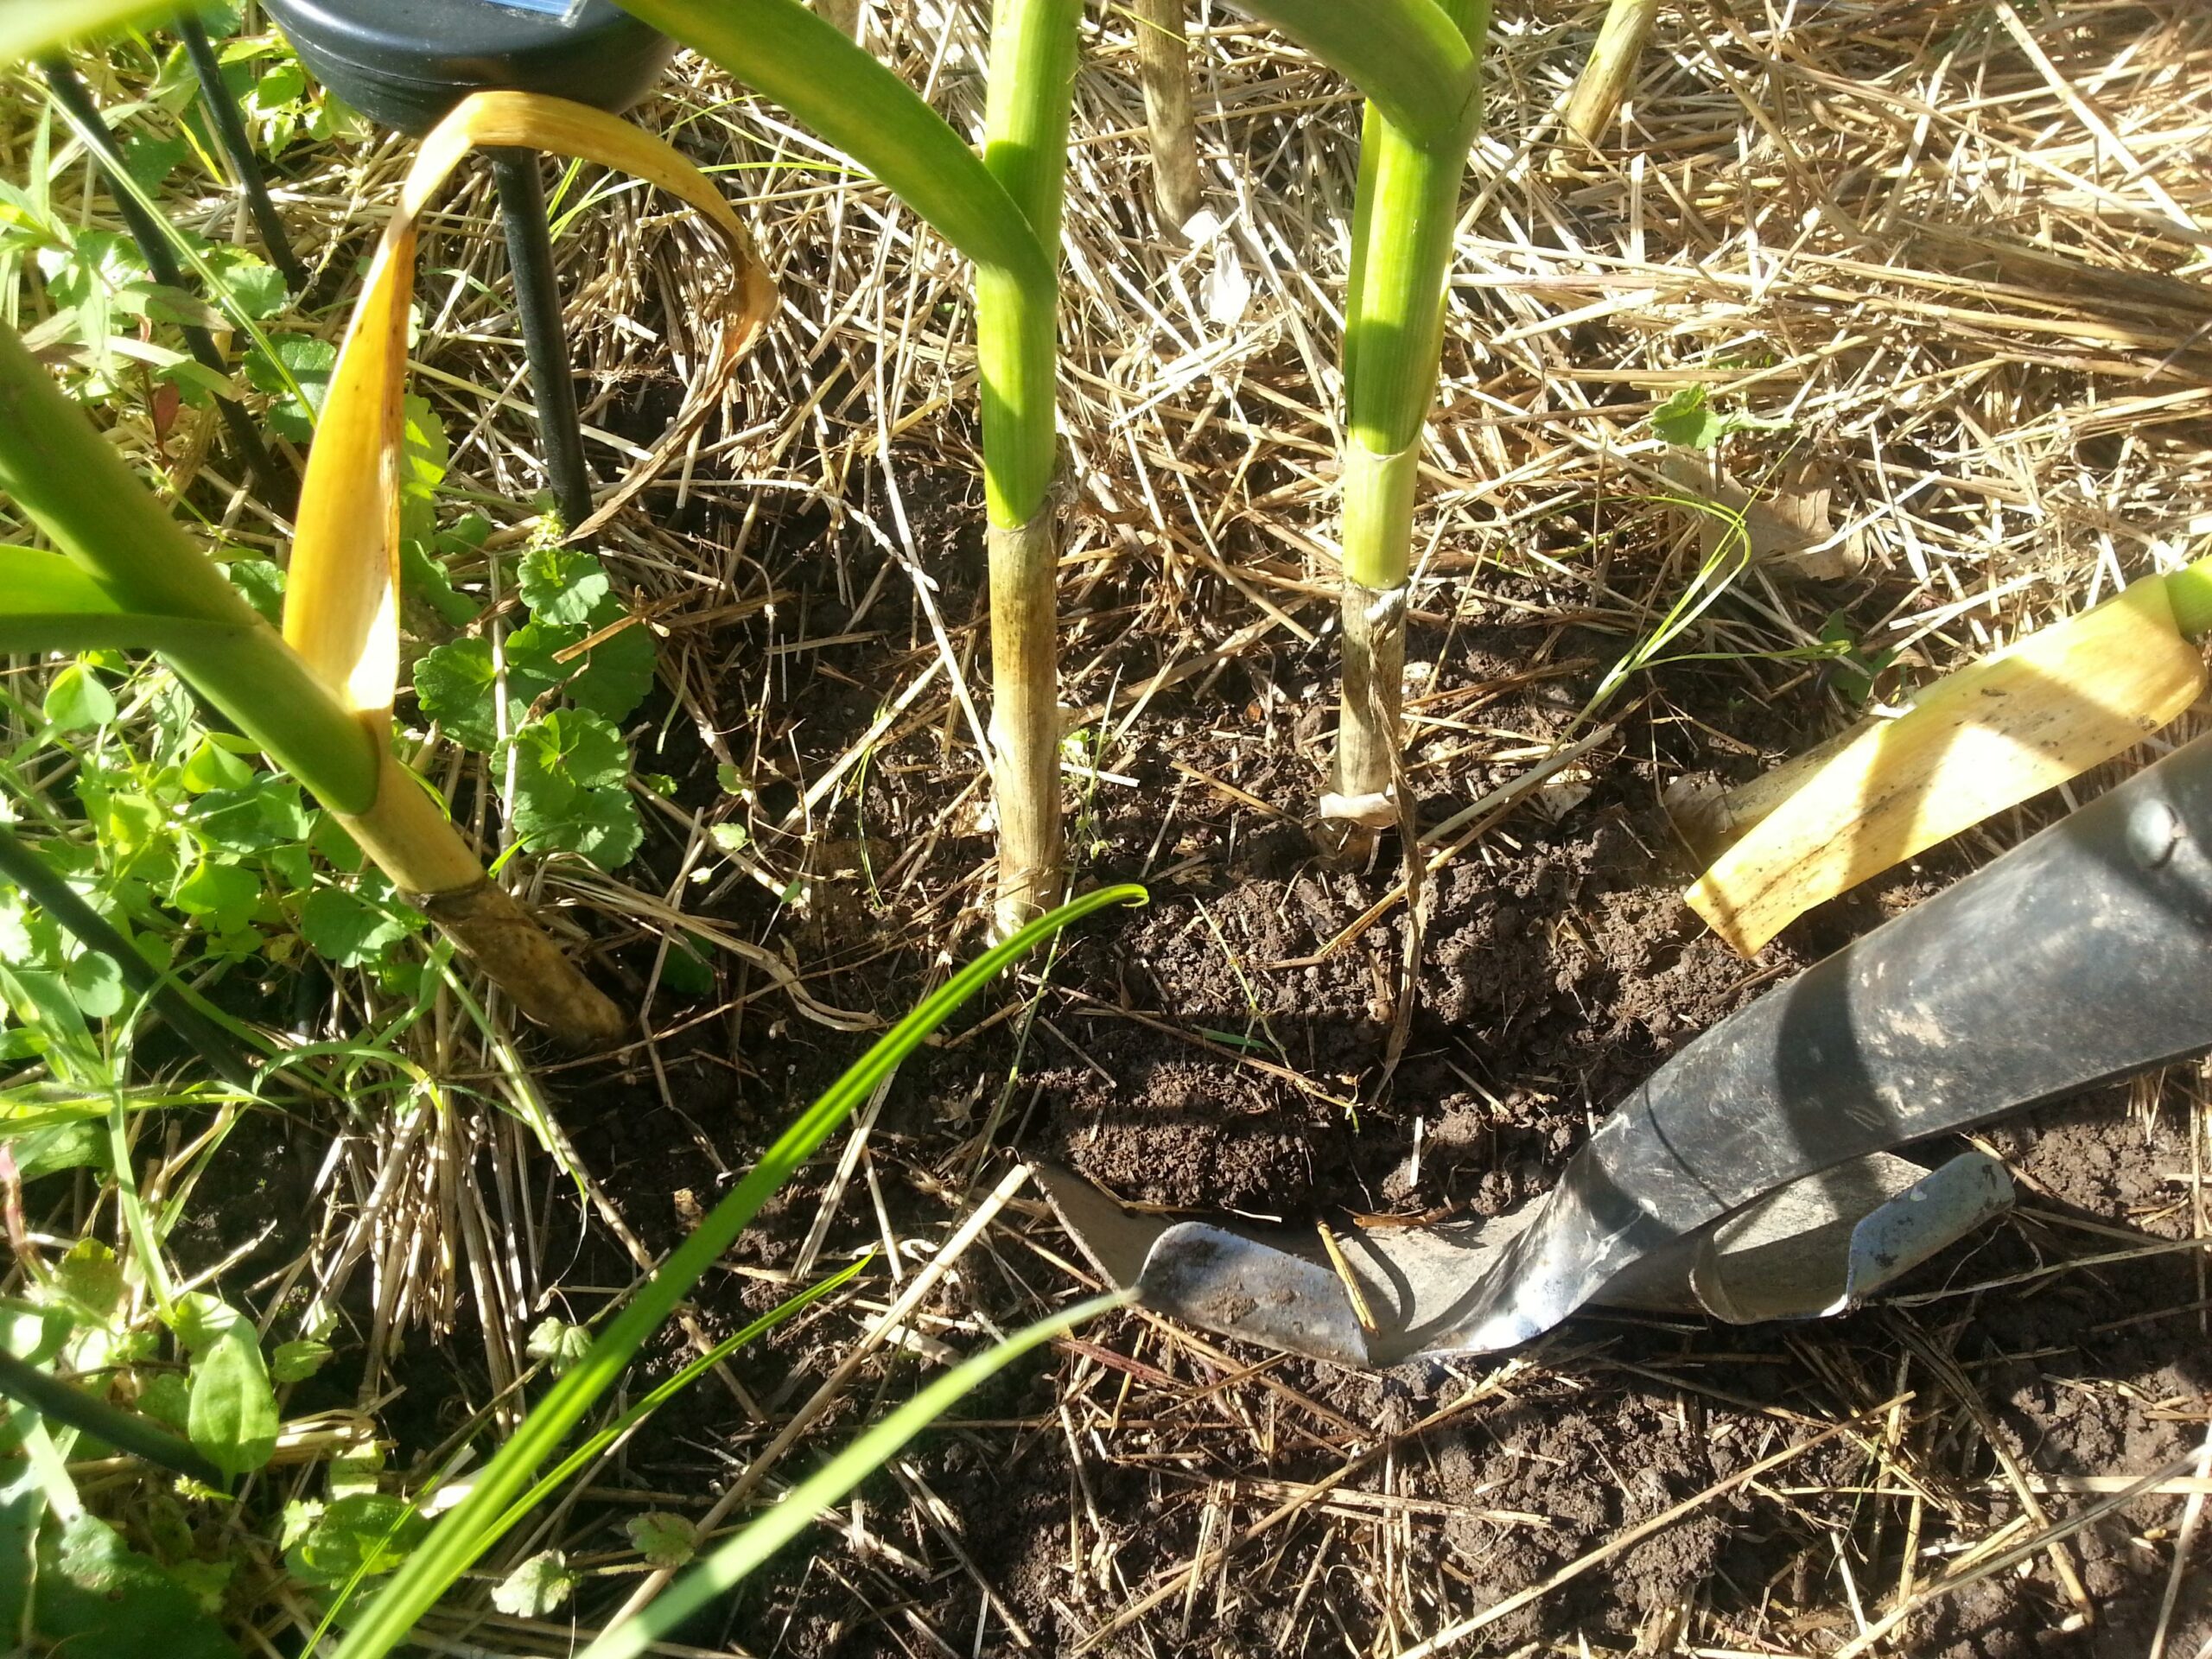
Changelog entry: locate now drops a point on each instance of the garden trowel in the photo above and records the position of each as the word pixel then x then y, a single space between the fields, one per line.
pixel 1754 1176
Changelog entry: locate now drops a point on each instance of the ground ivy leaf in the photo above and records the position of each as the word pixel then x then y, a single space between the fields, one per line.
pixel 544 801
pixel 426 456
pixel 568 771
pixel 577 745
pixel 563 584
pixel 665 1541
pixel 231 1417
pixel 559 1344
pixel 611 678
pixel 98 1598
pixel 600 824
pixel 423 461
pixel 150 160
pixel 539 1587
pixel 258 290
pixel 206 1582
pixel 1688 419
pixel 618 671
pixel 466 534
pixel 310 361
pixel 609 830
pixel 425 579
pixel 453 685
pixel 77 700
pixel 163 1528
pixel 91 1277
pixel 296 1361
pixel 364 1533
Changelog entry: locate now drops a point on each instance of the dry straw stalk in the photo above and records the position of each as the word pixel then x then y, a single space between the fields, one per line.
pixel 1606 79
pixel 1163 66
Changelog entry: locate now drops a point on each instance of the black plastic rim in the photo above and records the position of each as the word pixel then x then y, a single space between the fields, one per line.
pixel 405 63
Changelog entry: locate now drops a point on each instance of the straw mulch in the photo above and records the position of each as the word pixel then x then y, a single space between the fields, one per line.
pixel 1957 247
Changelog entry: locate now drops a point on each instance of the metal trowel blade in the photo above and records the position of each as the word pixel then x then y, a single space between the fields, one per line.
pixel 1814 1246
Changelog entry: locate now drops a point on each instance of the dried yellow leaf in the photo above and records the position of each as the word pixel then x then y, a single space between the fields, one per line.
pixel 2066 698
pixel 341 606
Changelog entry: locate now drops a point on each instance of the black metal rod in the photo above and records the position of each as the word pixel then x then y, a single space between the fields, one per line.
pixel 230 128
pixel 160 263
pixel 538 300
pixel 45 887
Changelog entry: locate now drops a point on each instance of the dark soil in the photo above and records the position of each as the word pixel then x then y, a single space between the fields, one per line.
pixel 1178 1061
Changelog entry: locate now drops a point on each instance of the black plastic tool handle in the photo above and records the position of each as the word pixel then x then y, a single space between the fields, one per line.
pixel 2082 955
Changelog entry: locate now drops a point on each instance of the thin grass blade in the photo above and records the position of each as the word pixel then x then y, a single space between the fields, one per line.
pixel 803 1504
pixel 559 1474
pixel 463 1534
pixel 667 1391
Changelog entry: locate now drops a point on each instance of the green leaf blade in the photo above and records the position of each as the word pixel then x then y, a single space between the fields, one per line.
pixel 470 1527
pixel 737 1557
pixel 233 1413
pixel 1407 57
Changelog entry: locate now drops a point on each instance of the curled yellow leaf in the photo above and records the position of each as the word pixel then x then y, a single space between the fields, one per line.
pixel 341 600
pixel 2066 698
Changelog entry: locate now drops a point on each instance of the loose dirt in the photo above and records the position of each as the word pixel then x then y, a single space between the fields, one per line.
pixel 1196 1054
